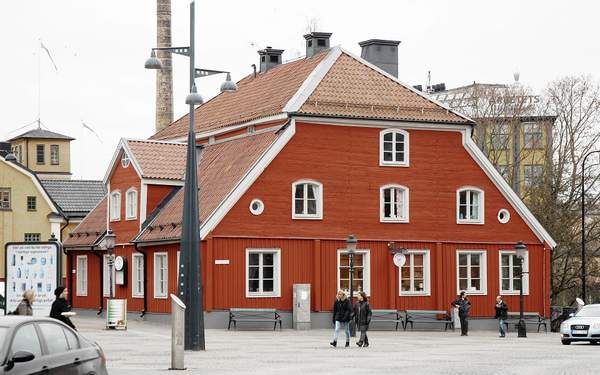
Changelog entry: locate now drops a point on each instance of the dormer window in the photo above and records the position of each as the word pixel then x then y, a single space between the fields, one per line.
pixel 115 206
pixel 307 200
pixel 469 205
pixel 125 160
pixel 393 148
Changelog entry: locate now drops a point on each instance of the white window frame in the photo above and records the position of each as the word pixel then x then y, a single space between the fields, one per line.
pixel 5 193
pixel 535 136
pixel 276 293
pixel 106 277
pixel 482 271
pixel 131 205
pixel 319 198
pixel 393 162
pixel 81 272
pixel 481 219
pixel 54 154
pixel 166 277
pixel 366 269
pixel 115 205
pixel 426 274
pixel 404 218
pixel 135 278
pixel 513 291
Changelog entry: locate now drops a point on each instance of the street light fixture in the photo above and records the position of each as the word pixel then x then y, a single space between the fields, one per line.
pixel 153 62
pixel 193 97
pixel 351 244
pixel 109 244
pixel 583 260
pixel 521 251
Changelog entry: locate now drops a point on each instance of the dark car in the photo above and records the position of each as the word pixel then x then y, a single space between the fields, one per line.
pixel 33 345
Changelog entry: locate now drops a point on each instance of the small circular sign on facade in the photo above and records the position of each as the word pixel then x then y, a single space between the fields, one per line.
pixel 119 263
pixel 503 216
pixel 399 259
pixel 257 207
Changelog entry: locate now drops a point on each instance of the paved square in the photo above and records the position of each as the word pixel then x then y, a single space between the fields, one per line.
pixel 145 349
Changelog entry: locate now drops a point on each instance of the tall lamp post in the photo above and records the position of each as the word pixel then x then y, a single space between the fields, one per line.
pixel 351 243
pixel 583 260
pixel 190 277
pixel 109 244
pixel 521 250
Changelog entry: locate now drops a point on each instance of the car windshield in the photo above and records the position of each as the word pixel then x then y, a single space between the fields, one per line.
pixel 3 331
pixel 589 312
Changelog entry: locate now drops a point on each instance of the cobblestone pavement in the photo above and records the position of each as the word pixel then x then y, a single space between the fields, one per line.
pixel 145 349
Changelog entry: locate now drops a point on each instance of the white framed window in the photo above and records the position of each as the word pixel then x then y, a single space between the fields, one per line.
pixel 81 272
pixel 115 206
pixel 4 198
pixel 32 237
pixel 415 274
pixel 307 200
pixel 470 205
pixel 131 204
pixel 263 273
pixel 106 276
pixel 393 204
pixel 510 265
pixel 532 135
pixel 54 154
pixel 393 148
pixel 161 275
pixel 471 271
pixel 257 207
pixel 361 281
pixel 125 161
pixel 137 275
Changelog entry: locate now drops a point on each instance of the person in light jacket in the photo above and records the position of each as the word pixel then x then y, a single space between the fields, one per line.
pixel 342 312
pixel 362 316
pixel 501 314
pixel 25 307
pixel 60 306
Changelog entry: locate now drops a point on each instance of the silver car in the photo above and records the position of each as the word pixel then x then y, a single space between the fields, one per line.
pixel 582 326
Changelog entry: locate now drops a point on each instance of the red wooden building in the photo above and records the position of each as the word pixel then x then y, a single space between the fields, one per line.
pixel 302 155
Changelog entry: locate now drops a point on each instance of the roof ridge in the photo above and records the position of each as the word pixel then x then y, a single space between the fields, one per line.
pixel 154 141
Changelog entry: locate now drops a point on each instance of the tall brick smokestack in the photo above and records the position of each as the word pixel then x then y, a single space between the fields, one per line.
pixel 164 76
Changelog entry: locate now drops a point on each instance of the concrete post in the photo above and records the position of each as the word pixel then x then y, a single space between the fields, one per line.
pixel 177 333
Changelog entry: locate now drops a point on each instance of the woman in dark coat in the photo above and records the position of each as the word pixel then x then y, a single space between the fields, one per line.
pixel 362 316
pixel 60 306
pixel 342 312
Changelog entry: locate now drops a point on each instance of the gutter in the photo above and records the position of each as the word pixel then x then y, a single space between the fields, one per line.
pixel 145 279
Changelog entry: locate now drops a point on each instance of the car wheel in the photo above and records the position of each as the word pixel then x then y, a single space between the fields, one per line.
pixel 566 342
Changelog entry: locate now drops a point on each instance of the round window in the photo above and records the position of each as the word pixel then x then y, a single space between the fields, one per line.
pixel 125 161
pixel 503 216
pixel 257 207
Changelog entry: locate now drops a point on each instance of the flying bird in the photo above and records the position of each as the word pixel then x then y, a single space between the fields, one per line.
pixel 91 130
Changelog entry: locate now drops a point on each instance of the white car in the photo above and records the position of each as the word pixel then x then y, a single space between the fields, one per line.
pixel 582 326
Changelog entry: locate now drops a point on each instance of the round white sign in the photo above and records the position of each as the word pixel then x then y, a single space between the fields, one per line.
pixel 119 263
pixel 399 259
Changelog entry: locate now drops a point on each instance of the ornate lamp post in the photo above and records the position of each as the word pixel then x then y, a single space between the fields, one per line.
pixel 521 250
pixel 109 244
pixel 351 243
pixel 190 278
pixel 583 260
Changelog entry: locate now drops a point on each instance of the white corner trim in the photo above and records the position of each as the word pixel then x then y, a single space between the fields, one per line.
pixel 253 173
pixel 506 190
pixel 312 81
pixel 160 181
pixel 143 202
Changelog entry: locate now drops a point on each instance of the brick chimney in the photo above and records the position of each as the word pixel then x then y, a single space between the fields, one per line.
pixel 316 42
pixel 269 58
pixel 381 53
pixel 164 76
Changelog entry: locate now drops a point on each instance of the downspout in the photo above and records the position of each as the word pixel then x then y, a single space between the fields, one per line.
pixel 145 278
pixel 68 272
pixel 101 280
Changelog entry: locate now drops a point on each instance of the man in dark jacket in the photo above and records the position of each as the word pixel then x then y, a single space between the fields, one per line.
pixel 501 314
pixel 60 306
pixel 464 305
pixel 342 312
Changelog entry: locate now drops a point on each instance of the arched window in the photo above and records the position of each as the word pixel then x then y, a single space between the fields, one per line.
pixel 469 205
pixel 131 204
pixel 115 205
pixel 393 204
pixel 307 200
pixel 393 147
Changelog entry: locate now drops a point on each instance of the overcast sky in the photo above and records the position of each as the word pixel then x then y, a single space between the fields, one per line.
pixel 100 47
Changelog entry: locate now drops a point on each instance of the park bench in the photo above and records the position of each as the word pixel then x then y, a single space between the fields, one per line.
pixel 531 318
pixel 428 316
pixel 388 316
pixel 254 315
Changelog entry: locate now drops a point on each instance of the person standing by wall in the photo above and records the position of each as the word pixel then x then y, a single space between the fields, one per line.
pixel 501 314
pixel 464 306
pixel 342 312
pixel 362 314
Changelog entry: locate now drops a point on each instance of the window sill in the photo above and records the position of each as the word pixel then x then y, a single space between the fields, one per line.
pixel 161 297
pixel 272 295
pixel 512 293
pixel 115 219
pixel 390 221
pixel 80 295
pixel 5 209
pixel 31 210
pixel 414 294
pixel 389 164
pixel 307 217
pixel 470 222
pixel 137 296
pixel 130 218
pixel 473 293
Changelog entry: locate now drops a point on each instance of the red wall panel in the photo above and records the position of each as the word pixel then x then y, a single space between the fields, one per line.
pixel 156 194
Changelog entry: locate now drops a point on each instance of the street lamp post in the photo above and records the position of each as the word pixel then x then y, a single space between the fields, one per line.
pixel 583 260
pixel 190 277
pixel 351 243
pixel 109 244
pixel 521 251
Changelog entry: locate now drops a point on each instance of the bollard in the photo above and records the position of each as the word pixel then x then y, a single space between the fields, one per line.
pixel 177 333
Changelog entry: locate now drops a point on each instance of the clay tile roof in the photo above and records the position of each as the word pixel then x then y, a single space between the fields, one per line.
pixel 258 97
pixel 91 229
pixel 220 167
pixel 164 160
pixel 353 89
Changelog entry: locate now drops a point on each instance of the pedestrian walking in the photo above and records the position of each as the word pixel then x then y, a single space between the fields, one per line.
pixel 362 316
pixel 501 314
pixel 464 305
pixel 61 306
pixel 25 307
pixel 342 312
